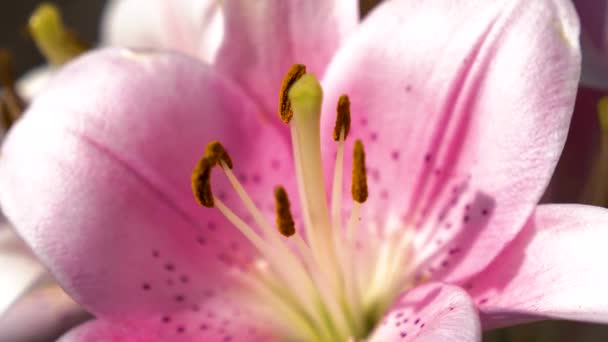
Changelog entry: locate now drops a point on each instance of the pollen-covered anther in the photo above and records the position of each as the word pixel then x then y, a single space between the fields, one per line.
pixel 201 181
pixel 342 117
pixel 295 72
pixel 285 221
pixel 359 181
pixel 217 154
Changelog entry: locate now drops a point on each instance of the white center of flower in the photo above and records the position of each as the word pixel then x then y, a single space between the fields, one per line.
pixel 325 287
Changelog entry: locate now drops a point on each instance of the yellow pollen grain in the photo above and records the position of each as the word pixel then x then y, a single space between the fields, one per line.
pixel 359 181
pixel 285 221
pixel 201 181
pixel 342 117
pixel 217 153
pixel 295 72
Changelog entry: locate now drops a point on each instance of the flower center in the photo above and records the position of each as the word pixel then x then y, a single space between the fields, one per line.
pixel 326 286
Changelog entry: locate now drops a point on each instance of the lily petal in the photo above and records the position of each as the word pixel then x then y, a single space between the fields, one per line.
pixel 433 312
pixel 192 27
pixel 550 270
pixel 44 313
pixel 463 120
pixel 96 177
pixel 98 330
pixel 264 38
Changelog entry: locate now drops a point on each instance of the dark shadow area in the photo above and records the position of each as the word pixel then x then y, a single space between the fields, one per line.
pixel 549 331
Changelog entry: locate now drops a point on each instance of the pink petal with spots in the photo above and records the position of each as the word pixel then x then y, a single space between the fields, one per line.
pixel 463 120
pixel 99 330
pixel 264 38
pixel 553 269
pixel 594 41
pixel 433 312
pixel 96 177
pixel 193 27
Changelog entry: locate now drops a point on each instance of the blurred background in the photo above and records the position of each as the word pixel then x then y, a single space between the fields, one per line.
pixel 43 313
pixel 83 16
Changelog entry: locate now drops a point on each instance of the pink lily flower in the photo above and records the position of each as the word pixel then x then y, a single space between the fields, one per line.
pixel 462 121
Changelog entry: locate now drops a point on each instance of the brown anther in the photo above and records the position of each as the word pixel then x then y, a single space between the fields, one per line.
pixel 201 181
pixel 285 221
pixel 217 153
pixel 5 115
pixel 6 69
pixel 359 181
pixel 342 117
pixel 13 105
pixel 295 72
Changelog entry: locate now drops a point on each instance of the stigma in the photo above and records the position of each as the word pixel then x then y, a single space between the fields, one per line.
pixel 322 285
pixel 57 43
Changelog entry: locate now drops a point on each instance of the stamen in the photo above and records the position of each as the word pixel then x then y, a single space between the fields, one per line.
pixel 359 181
pixel 294 74
pixel 273 296
pixel 344 247
pixel 336 191
pixel 343 118
pixel 54 41
pixel 201 182
pixel 300 282
pixel 285 221
pixel 340 132
pixel 218 153
pixel 328 288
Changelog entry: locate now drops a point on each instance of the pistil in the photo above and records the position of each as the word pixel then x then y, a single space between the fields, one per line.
pixel 305 97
